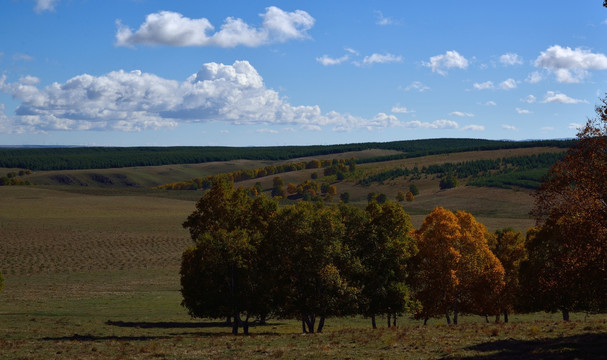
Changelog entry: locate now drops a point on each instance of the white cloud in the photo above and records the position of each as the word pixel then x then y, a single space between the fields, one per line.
pixel 383 120
pixel 45 5
pixel 381 59
pixel 352 51
pixel 451 59
pixel 530 99
pixel 511 59
pixel 437 124
pixel 473 128
pixel 483 86
pixel 266 131
pixel 328 61
pixel 417 85
pixel 570 65
pixel 560 98
pixel 224 131
pixel 401 110
pixel 133 101
pixel 509 128
pixel 508 84
pixel 522 111
pixel 490 103
pixel 575 126
pixel 534 77
pixel 461 114
pixel 174 29
pixel 382 20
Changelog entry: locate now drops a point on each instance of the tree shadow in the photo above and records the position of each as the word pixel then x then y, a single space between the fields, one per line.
pixel 88 337
pixel 168 324
pixel 584 346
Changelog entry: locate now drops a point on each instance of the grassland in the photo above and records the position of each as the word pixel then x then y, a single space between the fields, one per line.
pixel 92 273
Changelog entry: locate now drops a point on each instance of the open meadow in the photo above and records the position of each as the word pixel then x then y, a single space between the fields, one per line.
pixel 93 273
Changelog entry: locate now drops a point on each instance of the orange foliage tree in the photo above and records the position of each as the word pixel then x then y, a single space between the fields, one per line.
pixel 571 213
pixel 454 269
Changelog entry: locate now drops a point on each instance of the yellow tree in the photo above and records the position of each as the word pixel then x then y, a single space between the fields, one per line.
pixel 454 269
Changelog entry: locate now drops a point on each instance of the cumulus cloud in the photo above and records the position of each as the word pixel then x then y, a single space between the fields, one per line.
pixel 174 29
pixel 560 98
pixel 483 86
pixel 461 114
pixel 437 124
pixel 328 61
pixel 490 103
pixel 45 5
pixel 401 110
pixel 133 101
pixel 451 59
pixel 473 128
pixel 511 59
pixel 418 86
pixel 508 84
pixel 534 77
pixel 266 131
pixel 570 65
pixel 530 99
pixel 381 59
pixel 522 111
pixel 509 128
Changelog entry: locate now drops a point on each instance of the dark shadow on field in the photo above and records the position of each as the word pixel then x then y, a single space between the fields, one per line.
pixel 192 325
pixel 77 337
pixel 168 324
pixel 585 346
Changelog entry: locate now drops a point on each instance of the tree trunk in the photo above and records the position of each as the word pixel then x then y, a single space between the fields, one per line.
pixel 455 313
pixel 373 323
pixel 487 319
pixel 394 320
pixel 497 318
pixel 426 320
pixel 388 316
pixel 505 316
pixel 245 325
pixel 229 320
pixel 448 317
pixel 321 323
pixel 303 326
pixel 309 320
pixel 565 314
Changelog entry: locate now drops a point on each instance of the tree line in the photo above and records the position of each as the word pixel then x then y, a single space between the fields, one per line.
pixel 481 169
pixel 81 158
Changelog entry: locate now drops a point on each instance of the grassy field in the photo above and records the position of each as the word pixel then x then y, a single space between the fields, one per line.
pixel 92 273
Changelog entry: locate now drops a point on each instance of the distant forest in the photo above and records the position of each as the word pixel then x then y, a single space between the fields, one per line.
pixel 80 158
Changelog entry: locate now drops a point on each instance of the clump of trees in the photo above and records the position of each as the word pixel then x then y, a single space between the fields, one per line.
pixel 251 260
pixel 14 178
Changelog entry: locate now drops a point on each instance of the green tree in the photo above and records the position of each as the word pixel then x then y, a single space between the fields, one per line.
pixel 413 189
pixel 383 245
pixel 222 275
pixel 305 245
pixel 509 247
pixel 409 196
pixel 447 182
pixel 345 197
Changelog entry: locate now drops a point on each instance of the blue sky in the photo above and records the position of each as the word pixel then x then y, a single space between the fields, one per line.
pixel 253 73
